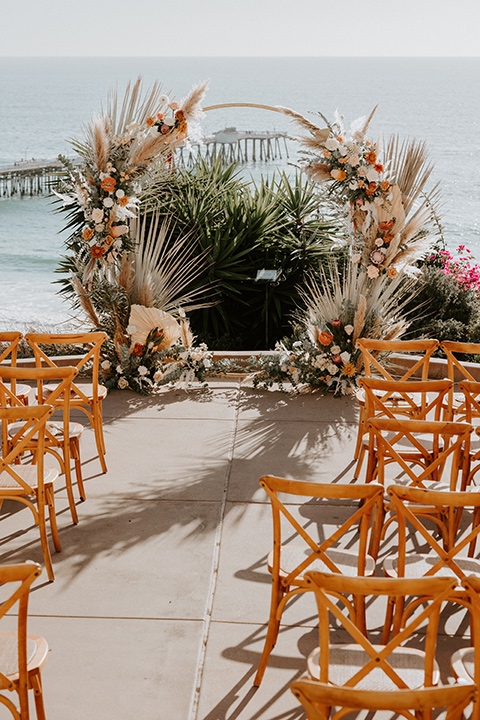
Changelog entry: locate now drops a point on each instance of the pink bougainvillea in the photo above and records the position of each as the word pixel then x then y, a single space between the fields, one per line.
pixel 462 268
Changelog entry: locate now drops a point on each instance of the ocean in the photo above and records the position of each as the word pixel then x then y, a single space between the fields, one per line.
pixel 44 101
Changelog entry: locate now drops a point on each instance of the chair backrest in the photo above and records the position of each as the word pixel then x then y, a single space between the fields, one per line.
pixel 22 576
pixel 62 391
pixel 374 351
pixel 456 366
pixel 417 399
pixel 471 405
pixel 333 594
pixel 93 341
pixel 449 553
pixel 316 696
pixel 10 340
pixel 31 427
pixel 420 448
pixel 361 500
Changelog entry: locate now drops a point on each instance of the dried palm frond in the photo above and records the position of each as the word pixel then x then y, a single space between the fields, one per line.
pixel 125 274
pixel 359 318
pixel 135 108
pixel 165 268
pixel 98 136
pixel 408 167
pixel 85 301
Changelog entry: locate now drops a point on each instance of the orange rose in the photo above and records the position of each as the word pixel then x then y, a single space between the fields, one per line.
pixel 371 157
pixel 326 154
pixel 388 237
pixel 342 160
pixel 98 251
pixel 137 349
pixel 87 234
pixel 386 226
pixel 372 188
pixel 361 184
pixel 378 167
pixel 384 185
pixel 180 115
pixel 392 272
pixel 150 122
pixel 109 240
pixel 324 338
pixel 123 201
pixel 339 139
pixel 108 184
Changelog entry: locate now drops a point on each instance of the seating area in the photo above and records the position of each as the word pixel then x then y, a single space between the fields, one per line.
pixel 163 589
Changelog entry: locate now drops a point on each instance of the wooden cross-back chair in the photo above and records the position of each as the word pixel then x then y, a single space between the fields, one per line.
pixel 288 561
pixel 22 654
pixel 470 409
pixel 374 354
pixel 9 355
pixel 417 399
pixel 458 370
pixel 421 452
pixel 62 438
pixel 363 662
pixel 465 662
pixel 88 396
pixel 412 704
pixel 30 484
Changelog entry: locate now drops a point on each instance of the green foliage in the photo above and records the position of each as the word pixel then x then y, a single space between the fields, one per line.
pixel 443 309
pixel 243 228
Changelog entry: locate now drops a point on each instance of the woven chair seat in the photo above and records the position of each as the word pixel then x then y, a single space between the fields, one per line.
pixel 418 565
pixel 345 560
pixel 346 660
pixel 55 428
pixel 85 388
pixel 9 652
pixel 28 473
pixel 463 663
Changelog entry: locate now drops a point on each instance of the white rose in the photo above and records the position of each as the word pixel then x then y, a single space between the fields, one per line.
pixel 97 215
pixel 170 121
pixel 207 363
pixel 345 356
pixel 372 271
pixel 100 228
pixel 379 242
pixel 119 370
pixel 332 369
pixel 119 193
pixel 343 150
pixel 361 172
pixel 371 174
pixel 348 329
pixel 123 383
pixel 142 370
pixel 106 365
pixel 108 202
pixel 331 144
pixel 353 185
pixel 335 350
pixel 353 160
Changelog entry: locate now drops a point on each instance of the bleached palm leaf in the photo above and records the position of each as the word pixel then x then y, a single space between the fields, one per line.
pixel 145 319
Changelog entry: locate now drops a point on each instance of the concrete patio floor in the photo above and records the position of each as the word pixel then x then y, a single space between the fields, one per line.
pixel 161 596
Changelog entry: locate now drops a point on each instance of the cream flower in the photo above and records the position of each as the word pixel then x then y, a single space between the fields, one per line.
pixel 131 330
pixel 372 272
pixel 97 215
pixel 158 376
pixel 108 202
pixel 348 329
pixel 123 383
pixel 164 99
pixel 335 350
pixel 345 356
pixel 331 144
pixel 371 174
pixel 379 242
pixel 119 193
pixel 353 160
pixel 142 370
pixel 106 365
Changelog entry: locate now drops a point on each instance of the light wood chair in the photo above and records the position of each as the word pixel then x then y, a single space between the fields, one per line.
pixel 62 438
pixel 375 355
pixel 419 400
pixel 86 397
pixel 29 484
pixel 288 560
pixel 465 662
pixel 317 698
pixel 459 370
pixel 469 407
pixel 10 340
pixel 22 654
pixel 361 662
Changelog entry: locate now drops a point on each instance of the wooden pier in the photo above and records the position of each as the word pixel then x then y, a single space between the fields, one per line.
pixel 29 178
pixel 233 145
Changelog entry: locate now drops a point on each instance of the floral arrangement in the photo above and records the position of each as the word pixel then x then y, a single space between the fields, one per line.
pixel 461 268
pixel 115 157
pixel 324 354
pixel 149 356
pixel 385 209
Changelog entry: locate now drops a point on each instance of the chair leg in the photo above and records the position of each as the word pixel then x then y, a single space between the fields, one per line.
pixel 75 452
pixel 272 632
pixel 99 439
pixel 361 426
pixel 44 541
pixel 53 518
pixel 68 484
pixel 36 683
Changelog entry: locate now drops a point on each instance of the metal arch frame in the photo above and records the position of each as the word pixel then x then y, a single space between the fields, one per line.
pixel 252 105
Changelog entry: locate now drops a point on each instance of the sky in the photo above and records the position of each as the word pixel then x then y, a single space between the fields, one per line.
pixel 157 28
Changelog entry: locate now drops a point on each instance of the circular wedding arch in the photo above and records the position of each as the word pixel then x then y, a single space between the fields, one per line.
pixel 236 105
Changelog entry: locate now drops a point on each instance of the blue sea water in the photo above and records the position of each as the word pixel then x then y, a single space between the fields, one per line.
pixel 44 101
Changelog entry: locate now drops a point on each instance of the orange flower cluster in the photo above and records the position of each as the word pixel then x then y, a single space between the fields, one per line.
pixel 108 184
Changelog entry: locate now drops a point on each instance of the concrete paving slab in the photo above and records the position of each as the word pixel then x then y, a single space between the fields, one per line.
pixel 177 459
pixel 286 406
pixel 127 559
pixel 306 450
pixel 118 669
pixel 231 661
